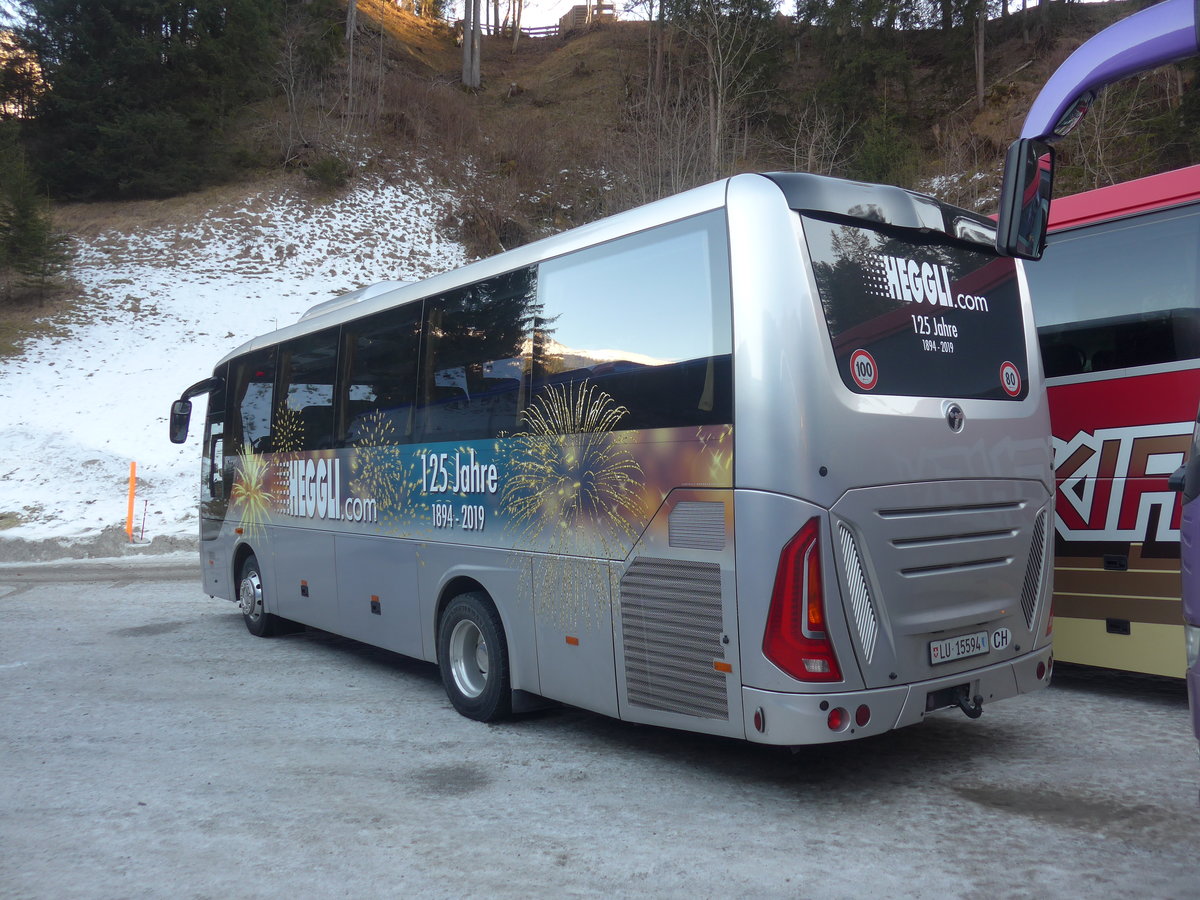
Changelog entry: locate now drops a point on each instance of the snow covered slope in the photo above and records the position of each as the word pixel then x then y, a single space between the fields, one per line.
pixel 161 306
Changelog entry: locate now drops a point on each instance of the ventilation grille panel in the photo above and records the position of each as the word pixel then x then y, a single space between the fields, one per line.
pixel 672 625
pixel 697 525
pixel 1033 571
pixel 860 594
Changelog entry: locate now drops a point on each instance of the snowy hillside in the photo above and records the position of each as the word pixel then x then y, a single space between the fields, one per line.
pixel 161 306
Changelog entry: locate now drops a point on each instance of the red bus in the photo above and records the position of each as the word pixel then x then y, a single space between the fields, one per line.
pixel 1117 303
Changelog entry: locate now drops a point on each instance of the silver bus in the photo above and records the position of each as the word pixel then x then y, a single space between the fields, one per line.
pixel 768 459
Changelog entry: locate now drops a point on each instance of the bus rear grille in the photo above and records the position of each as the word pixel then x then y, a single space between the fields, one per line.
pixel 697 525
pixel 671 620
pixel 860 594
pixel 1033 571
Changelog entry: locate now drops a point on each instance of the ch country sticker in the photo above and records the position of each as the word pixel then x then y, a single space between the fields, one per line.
pixel 864 370
pixel 1112 483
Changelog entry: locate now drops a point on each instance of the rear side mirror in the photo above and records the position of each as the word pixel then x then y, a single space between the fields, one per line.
pixel 181 417
pixel 1025 199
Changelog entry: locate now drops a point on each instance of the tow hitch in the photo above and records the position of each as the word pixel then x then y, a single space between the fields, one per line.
pixel 972 708
pixel 960 696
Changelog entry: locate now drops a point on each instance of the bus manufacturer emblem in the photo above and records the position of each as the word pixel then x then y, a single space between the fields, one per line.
pixel 955 417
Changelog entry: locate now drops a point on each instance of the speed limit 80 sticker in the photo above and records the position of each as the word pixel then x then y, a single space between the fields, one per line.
pixel 1010 379
pixel 863 369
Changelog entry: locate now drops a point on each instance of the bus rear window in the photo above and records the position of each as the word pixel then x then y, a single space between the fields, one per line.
pixel 919 319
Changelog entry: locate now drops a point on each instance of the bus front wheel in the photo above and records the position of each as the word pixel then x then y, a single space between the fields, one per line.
pixel 259 622
pixel 473 658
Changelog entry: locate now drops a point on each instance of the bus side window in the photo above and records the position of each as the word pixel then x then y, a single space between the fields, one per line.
pixel 380 385
pixel 641 328
pixel 304 410
pixel 248 428
pixel 1117 291
pixel 474 359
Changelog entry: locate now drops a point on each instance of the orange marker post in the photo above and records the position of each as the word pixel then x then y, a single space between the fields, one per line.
pixel 132 494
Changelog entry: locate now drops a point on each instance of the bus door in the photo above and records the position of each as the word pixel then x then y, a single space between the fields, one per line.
pixel 216 478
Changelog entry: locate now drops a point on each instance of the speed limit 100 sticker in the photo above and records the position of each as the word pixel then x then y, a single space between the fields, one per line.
pixel 1010 379
pixel 863 369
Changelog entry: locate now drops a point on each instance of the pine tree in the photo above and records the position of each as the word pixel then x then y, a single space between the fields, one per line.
pixel 141 92
pixel 32 253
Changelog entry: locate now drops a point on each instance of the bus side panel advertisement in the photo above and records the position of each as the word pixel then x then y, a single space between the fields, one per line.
pixel 1112 481
pixel 585 494
pixel 1117 521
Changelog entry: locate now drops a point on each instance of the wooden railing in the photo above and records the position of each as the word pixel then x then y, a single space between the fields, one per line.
pixel 544 31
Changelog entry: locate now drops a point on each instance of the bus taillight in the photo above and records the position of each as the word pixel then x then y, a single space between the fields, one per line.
pixel 796 639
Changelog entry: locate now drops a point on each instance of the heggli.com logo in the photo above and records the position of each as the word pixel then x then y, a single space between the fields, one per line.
pixel 909 281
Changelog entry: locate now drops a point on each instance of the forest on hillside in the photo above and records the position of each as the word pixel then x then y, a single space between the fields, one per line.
pixel 126 99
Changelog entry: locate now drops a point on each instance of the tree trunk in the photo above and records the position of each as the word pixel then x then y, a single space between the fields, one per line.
pixel 980 36
pixel 468 43
pixel 476 48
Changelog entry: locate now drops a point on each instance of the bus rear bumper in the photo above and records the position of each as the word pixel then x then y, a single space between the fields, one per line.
pixel 772 717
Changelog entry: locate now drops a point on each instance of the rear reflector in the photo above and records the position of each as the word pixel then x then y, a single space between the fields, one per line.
pixel 795 639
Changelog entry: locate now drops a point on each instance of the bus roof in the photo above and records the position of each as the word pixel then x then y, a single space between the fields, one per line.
pixel 1127 198
pixel 879 204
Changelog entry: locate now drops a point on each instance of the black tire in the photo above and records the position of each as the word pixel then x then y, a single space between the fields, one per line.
pixel 259 622
pixel 473 658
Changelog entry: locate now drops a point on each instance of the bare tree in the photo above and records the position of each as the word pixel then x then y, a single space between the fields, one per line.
pixel 660 155
pixel 980 37
pixel 517 7
pixel 731 37
pixel 1113 142
pixel 472 41
pixel 820 140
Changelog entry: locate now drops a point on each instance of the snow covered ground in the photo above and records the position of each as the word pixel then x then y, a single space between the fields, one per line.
pixel 162 304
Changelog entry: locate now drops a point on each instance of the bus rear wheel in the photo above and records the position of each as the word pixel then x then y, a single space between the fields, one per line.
pixel 259 622
pixel 473 658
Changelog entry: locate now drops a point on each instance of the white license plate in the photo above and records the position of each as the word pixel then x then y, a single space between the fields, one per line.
pixel 964 645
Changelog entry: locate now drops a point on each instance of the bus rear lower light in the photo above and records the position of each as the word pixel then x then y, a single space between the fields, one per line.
pixel 862 715
pixel 760 721
pixel 1041 671
pixel 838 719
pixel 796 638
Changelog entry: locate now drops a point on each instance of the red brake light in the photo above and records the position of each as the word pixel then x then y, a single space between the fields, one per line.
pixel 795 639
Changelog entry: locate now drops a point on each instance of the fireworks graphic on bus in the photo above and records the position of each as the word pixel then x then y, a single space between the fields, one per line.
pixel 288 434
pixel 573 490
pixel 251 493
pixel 379 472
